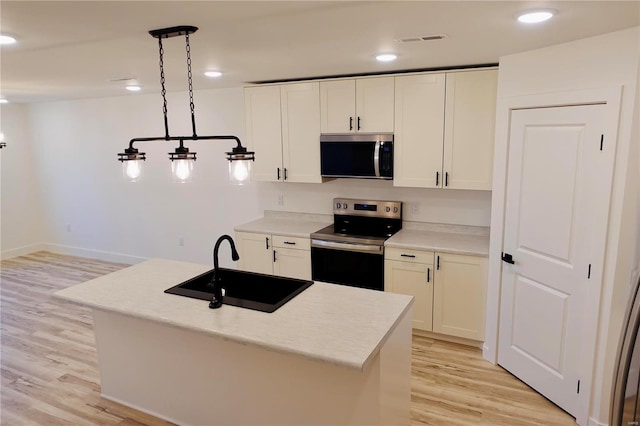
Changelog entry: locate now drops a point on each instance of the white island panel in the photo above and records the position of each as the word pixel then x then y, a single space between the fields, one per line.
pixel 332 355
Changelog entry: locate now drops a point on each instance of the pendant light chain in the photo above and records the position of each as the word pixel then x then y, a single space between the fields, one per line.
pixel 164 90
pixel 189 77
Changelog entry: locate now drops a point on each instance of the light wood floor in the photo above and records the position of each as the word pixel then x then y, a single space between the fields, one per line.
pixel 49 370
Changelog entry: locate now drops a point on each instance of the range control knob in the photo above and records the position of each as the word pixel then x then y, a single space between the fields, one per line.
pixel 387 209
pixel 395 210
pixel 344 206
pixel 338 205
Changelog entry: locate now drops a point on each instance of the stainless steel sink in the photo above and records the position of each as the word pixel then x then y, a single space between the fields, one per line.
pixel 249 290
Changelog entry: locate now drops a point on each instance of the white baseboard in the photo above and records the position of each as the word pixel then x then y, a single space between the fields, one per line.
pixel 21 251
pixel 73 251
pixel 594 422
pixel 94 254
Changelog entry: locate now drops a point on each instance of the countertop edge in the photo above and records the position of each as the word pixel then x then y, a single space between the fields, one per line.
pixel 234 338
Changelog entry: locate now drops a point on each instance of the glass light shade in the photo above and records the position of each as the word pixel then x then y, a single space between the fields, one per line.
pixel 239 171
pixel 132 170
pixel 1 137
pixel 182 170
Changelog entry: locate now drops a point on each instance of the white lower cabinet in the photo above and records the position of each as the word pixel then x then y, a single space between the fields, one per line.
pixel 274 254
pixel 459 295
pixel 449 289
pixel 412 275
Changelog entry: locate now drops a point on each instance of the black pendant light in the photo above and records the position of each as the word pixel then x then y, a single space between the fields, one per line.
pixel 182 160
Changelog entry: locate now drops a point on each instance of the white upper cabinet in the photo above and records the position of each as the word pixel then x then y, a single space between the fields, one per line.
pixel 337 106
pixel 445 129
pixel 469 129
pixel 419 130
pixel 283 128
pixel 300 106
pixel 264 134
pixel 359 105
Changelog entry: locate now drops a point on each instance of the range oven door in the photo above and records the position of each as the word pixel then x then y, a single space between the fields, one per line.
pixel 356 265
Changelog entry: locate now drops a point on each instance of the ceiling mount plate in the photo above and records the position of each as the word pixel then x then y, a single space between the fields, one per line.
pixel 173 31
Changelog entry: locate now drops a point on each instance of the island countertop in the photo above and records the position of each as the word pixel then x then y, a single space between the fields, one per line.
pixel 340 325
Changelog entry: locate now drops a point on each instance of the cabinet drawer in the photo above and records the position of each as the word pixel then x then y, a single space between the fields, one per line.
pixel 409 255
pixel 291 242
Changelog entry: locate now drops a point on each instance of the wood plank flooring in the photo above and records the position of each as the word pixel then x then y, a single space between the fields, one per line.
pixel 49 369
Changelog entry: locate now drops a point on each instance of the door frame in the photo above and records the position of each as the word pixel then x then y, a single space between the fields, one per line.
pixel 611 97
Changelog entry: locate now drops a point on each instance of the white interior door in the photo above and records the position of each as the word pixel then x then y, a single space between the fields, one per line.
pixel 557 202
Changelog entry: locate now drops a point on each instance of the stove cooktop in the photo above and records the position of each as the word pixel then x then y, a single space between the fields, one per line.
pixel 362 222
pixel 328 234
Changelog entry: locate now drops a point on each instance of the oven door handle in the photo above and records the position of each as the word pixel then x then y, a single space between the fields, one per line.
pixel 360 248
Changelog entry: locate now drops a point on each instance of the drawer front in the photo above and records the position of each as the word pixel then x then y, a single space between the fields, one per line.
pixel 408 255
pixel 292 242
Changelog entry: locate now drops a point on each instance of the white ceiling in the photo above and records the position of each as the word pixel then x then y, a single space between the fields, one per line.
pixel 76 49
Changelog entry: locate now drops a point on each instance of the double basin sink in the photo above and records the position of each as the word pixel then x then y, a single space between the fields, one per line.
pixel 249 290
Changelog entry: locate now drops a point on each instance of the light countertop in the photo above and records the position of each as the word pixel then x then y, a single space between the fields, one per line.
pixel 341 325
pixel 282 226
pixel 457 243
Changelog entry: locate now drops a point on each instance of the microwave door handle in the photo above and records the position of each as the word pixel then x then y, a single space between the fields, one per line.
pixel 376 159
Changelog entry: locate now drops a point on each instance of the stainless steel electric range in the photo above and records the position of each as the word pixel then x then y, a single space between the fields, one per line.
pixel 351 251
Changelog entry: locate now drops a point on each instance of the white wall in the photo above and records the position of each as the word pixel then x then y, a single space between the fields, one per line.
pixel 21 225
pixel 92 211
pixel 607 61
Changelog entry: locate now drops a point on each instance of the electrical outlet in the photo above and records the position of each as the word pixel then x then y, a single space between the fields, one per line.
pixel 415 208
pixel 68 227
pixel 280 200
pixel 181 241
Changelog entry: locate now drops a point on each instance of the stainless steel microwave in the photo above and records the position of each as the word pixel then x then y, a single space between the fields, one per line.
pixel 359 155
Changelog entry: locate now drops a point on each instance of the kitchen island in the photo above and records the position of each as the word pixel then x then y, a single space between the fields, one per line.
pixel 332 355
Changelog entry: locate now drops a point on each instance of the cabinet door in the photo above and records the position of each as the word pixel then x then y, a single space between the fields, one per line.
pixel 292 263
pixel 459 295
pixel 374 104
pixel 413 279
pixel 264 134
pixel 419 131
pixel 301 132
pixel 255 252
pixel 337 106
pixel 469 129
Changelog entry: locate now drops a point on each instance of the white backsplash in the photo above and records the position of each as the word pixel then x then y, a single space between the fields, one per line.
pixel 436 206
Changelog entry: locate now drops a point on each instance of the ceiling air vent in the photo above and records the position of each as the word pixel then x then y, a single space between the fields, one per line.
pixel 421 38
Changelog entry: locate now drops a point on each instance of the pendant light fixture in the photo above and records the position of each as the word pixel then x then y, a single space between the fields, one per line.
pixel 182 160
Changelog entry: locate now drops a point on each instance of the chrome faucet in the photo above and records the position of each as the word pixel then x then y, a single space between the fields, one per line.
pixel 216 280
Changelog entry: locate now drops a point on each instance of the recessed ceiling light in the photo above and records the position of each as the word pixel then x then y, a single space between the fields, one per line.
pixel 213 74
pixel 387 57
pixel 5 39
pixel 536 16
pixel 4 101
pixel 133 88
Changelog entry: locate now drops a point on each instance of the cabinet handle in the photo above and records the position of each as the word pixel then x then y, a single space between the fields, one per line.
pixel 358 123
pixel 446 179
pixel 428 274
pixel 350 123
pixel 274 255
pixel 437 178
pixel 266 242
pixel 438 263
pixel 285 173
pixel 408 255
pixel 278 173
pixel 291 243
